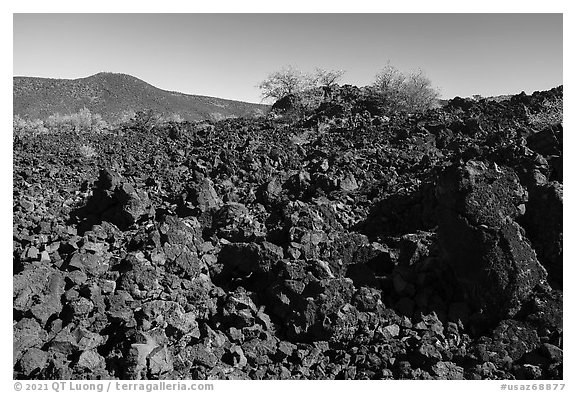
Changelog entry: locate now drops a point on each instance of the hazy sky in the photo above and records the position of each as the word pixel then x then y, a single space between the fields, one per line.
pixel 227 55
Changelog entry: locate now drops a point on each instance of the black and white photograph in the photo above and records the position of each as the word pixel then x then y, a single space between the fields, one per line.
pixel 287 196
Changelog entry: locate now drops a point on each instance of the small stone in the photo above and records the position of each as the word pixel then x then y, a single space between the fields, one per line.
pixel 78 277
pixel 97 248
pixel 53 247
pixel 349 183
pixel 69 339
pixel 71 295
pixel 206 196
pixel 448 370
pixel 529 371
pixel 235 334
pixel 91 360
pixel 81 306
pixel 406 323
pixel 200 354
pixel 160 362
pixel 33 360
pixel 33 253
pixel 552 352
pixel 285 348
pixel 27 205
pixel 238 356
pixel 264 319
pixel 394 330
pixel 429 351
pixel 421 326
pixel 91 264
pixel 108 286
pixel 158 258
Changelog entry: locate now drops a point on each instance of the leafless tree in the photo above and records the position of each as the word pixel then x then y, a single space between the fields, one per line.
pixel 327 78
pixel 288 80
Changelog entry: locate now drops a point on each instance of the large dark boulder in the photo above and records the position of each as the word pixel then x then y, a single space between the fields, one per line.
pixel 117 201
pixel 480 240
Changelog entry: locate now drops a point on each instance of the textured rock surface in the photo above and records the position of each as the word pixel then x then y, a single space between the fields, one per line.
pixel 338 243
pixel 480 239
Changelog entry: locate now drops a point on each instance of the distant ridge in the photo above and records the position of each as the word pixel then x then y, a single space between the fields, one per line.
pixel 112 95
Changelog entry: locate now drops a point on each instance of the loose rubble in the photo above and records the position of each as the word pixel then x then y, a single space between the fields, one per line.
pixel 339 245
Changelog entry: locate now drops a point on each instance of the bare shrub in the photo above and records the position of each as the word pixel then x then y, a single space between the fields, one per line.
pixel 288 80
pixel 396 91
pixel 145 120
pixel 172 117
pixel 327 78
pixel 311 88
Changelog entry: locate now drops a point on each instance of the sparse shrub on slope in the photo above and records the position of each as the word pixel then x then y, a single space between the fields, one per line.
pixel 82 122
pixel 145 120
pixel 84 126
pixel 23 127
pixel 172 117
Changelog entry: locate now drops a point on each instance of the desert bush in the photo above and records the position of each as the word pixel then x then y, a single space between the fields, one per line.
pixel 217 116
pixel 124 117
pixel 550 114
pixel 82 122
pixel 396 91
pixel 99 124
pixel 172 117
pixel 22 127
pixel 87 151
pixel 145 120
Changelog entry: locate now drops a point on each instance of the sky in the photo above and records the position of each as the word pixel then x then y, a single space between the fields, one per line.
pixel 227 55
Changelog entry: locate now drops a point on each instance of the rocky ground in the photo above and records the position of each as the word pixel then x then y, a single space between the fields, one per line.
pixel 341 245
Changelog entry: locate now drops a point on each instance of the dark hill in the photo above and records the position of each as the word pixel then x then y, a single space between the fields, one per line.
pixel 111 94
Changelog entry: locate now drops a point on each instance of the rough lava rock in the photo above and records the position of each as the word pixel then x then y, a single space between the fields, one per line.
pixel 332 242
pixel 487 249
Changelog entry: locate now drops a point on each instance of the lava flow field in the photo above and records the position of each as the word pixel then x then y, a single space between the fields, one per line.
pixel 339 245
